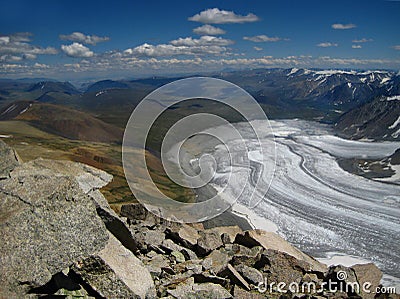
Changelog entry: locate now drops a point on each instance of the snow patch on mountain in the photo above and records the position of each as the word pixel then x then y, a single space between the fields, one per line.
pixel 393 98
pixel 100 93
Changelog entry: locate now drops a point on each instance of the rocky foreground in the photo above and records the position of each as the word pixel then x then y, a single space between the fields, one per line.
pixel 59 237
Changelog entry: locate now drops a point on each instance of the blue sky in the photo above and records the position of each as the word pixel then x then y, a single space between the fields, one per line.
pixel 104 39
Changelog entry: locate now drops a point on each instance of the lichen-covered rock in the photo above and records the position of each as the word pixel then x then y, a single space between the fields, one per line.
pixel 147 239
pixel 282 267
pixel 178 256
pixel 252 275
pixel 47 222
pixel 8 160
pixel 154 262
pixel 216 261
pixel 203 290
pixel 90 180
pixel 209 240
pixel 244 255
pixel 115 224
pixel 240 293
pixel 134 211
pixel 168 245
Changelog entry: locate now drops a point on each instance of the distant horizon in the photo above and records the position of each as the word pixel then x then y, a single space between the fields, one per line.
pixel 77 40
pixel 80 81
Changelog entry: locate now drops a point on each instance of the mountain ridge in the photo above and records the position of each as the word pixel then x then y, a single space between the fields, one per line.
pixel 62 121
pixel 378 120
pixel 314 94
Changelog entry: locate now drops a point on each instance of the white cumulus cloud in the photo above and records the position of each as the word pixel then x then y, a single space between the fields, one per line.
pixel 172 50
pixel 204 40
pixel 10 58
pixel 77 50
pixel 83 38
pixel 396 47
pixel 217 16
pixel 262 38
pixel 208 30
pixel 17 47
pixel 343 26
pixel 204 45
pixel 327 44
pixel 356 46
pixel 41 66
pixel 257 48
pixel 363 40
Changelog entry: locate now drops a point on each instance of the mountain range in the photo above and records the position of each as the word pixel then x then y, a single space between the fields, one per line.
pixel 378 120
pixel 353 100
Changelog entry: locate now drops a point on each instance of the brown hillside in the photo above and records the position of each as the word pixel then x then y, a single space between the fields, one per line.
pixel 70 123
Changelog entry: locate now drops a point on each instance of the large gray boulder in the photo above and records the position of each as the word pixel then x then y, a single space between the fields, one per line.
pixel 89 179
pixel 47 222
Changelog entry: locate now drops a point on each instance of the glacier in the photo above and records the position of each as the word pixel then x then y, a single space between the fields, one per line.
pixel 311 200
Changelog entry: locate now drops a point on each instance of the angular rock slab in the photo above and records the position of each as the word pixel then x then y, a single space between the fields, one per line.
pixel 229 231
pixel 185 234
pixel 88 177
pixel 272 241
pixel 252 275
pixel 367 274
pixel 115 272
pixel 209 240
pixel 115 224
pixel 216 261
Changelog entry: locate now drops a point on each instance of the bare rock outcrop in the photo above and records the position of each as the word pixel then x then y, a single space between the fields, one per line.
pixel 60 237
pixel 53 217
